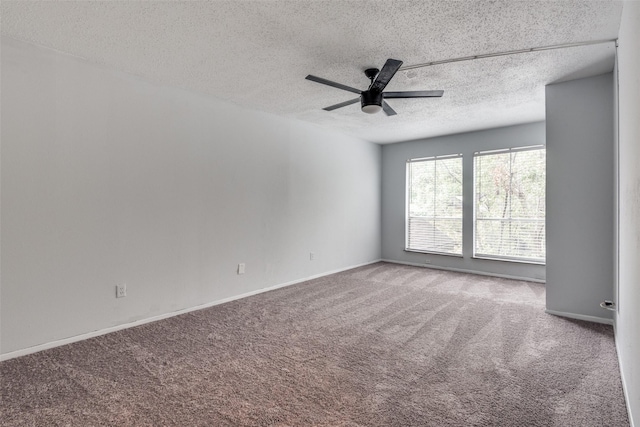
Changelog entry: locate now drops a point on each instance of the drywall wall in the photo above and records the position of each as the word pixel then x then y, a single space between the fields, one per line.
pixel 580 201
pixel 628 315
pixel 109 179
pixel 394 158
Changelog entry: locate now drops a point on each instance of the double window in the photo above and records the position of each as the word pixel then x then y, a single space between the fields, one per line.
pixel 508 204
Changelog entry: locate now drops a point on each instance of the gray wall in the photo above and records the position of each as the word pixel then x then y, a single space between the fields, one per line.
pixel 580 199
pixel 109 179
pixel 394 157
pixel 628 316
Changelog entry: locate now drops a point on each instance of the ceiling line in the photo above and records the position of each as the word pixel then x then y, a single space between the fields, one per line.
pixel 510 52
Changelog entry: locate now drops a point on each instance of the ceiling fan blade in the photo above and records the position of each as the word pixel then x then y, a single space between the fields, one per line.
pixel 334 84
pixel 342 104
pixel 384 76
pixel 414 94
pixel 387 109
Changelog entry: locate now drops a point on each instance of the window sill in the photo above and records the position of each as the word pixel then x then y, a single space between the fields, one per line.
pixel 433 253
pixel 518 261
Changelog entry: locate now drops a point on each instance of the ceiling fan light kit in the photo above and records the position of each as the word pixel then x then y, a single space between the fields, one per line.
pixel 372 99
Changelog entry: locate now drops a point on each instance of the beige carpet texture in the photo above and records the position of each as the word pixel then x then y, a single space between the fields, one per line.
pixel 380 345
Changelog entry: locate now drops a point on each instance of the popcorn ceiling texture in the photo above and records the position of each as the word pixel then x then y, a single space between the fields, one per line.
pixel 257 53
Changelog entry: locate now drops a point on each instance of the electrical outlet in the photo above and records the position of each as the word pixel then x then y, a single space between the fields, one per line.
pixel 121 290
pixel 427 261
pixel 312 256
pixel 241 268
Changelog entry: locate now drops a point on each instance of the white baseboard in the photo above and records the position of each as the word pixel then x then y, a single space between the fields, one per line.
pixel 622 377
pixel 76 338
pixel 462 270
pixel 594 319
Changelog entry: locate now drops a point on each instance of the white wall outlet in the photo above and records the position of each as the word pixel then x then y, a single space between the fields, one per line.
pixel 312 256
pixel 241 268
pixel 427 261
pixel 121 290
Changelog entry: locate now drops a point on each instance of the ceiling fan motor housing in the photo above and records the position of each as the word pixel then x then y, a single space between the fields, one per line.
pixel 371 101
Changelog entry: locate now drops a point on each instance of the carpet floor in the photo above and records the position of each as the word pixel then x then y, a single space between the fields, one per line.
pixel 380 345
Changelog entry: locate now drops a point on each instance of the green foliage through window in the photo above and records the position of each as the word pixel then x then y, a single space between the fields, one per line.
pixel 509 204
pixel 434 211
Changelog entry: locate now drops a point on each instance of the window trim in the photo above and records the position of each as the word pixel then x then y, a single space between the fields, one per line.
pixel 408 203
pixel 492 257
pixel 508 150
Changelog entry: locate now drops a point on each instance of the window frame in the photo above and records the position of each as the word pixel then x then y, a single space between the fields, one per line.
pixel 408 187
pixel 492 257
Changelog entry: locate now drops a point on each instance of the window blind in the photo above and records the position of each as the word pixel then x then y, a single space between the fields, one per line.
pixel 434 205
pixel 509 204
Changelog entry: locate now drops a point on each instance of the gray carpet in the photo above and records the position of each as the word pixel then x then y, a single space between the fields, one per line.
pixel 381 345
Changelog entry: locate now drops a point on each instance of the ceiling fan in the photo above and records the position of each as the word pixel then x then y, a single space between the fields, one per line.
pixel 373 99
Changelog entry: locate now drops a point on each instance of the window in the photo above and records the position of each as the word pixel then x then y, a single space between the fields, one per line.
pixel 509 206
pixel 434 205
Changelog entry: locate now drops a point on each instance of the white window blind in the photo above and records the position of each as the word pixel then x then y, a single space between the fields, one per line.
pixel 434 205
pixel 509 205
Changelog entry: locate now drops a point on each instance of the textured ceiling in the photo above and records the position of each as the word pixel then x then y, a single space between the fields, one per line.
pixel 257 53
